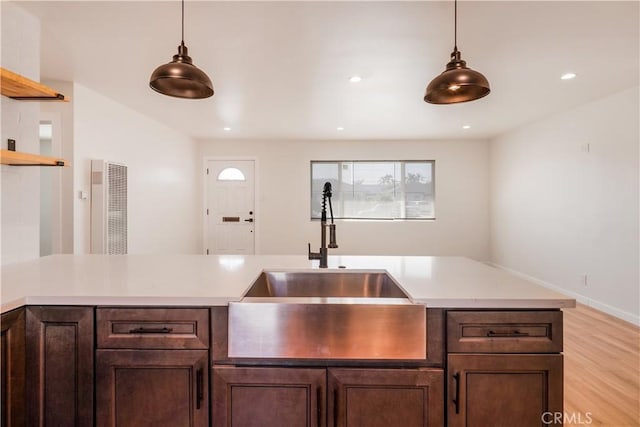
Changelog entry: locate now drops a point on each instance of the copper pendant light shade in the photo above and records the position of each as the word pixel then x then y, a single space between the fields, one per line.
pixel 180 78
pixel 457 83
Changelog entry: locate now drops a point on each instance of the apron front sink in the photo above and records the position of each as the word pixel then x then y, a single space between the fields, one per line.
pixel 327 315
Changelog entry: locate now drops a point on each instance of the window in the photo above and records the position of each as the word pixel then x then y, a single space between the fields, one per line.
pixel 375 189
pixel 231 174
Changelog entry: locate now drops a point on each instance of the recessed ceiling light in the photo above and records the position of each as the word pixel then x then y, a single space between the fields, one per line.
pixel 227 129
pixel 355 79
pixel 466 126
pixel 568 76
pixel 339 128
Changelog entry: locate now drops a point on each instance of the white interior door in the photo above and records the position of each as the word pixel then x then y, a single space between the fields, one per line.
pixel 230 207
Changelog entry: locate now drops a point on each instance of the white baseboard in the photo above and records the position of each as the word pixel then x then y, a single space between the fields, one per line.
pixel 621 314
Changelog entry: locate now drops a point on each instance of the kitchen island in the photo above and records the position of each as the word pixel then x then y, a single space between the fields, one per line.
pixel 147 335
pixel 217 280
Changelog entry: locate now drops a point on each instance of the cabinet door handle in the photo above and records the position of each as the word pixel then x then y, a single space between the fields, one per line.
pixel 335 408
pixel 142 330
pixel 456 400
pixel 199 389
pixel 319 405
pixel 513 334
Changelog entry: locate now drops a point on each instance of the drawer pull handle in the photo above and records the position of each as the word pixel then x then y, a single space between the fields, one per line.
pixel 511 334
pixel 456 400
pixel 141 330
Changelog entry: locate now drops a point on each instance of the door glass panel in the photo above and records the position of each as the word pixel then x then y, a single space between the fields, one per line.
pixel 231 174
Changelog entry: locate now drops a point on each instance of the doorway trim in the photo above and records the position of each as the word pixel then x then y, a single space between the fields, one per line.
pixel 57 182
pixel 256 193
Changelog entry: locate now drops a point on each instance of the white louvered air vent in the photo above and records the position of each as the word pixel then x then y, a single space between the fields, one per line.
pixel 108 208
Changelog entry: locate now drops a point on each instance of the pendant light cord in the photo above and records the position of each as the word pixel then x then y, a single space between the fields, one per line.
pixel 455 25
pixel 182 22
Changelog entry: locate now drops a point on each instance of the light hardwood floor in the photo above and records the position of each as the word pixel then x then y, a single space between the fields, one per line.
pixel 601 369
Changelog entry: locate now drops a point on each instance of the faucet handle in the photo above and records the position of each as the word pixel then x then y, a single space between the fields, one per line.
pixel 313 255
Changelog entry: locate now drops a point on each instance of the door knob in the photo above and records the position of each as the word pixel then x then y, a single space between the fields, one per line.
pixel 248 220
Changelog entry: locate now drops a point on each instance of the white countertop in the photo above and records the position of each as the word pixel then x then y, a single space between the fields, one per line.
pixel 200 280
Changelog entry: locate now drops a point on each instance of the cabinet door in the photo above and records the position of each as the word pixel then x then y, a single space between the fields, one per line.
pixel 503 390
pixel 267 397
pixel 12 352
pixel 151 388
pixel 386 397
pixel 59 384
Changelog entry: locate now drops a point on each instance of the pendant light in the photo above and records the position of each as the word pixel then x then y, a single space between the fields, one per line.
pixel 180 78
pixel 457 83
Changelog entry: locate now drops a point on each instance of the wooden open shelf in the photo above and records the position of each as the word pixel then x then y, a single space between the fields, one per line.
pixel 16 158
pixel 19 87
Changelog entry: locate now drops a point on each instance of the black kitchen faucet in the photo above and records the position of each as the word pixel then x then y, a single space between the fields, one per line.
pixel 322 255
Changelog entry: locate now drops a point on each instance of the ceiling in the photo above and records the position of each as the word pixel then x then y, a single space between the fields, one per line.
pixel 281 69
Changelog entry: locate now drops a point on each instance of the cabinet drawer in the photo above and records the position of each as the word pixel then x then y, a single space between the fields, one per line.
pixel 168 328
pixel 504 331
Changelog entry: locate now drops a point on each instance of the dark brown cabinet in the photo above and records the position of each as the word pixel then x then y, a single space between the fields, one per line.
pixel 59 366
pixel 503 368
pixel 12 352
pixel 385 397
pixel 152 367
pixel 139 388
pixel 503 390
pixel 266 397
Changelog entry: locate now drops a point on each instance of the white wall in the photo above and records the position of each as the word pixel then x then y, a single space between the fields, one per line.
pixel 20 185
pixel 559 212
pixel 282 209
pixel 164 185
